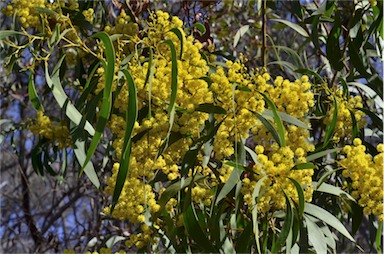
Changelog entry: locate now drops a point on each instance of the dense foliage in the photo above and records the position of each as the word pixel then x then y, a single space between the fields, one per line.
pixel 201 141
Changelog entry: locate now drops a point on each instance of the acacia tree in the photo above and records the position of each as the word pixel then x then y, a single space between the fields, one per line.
pixel 192 147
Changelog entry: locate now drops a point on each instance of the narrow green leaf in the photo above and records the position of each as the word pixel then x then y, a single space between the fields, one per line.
pixel 130 119
pixel 172 101
pixel 355 128
pixel 89 169
pixel 321 154
pixel 333 50
pixel 7 33
pixel 330 189
pixel 287 226
pixel 113 240
pixel 305 165
pixel 244 240
pixel 292 25
pixel 268 114
pixel 300 193
pixel 239 166
pixel 328 218
pixel 210 108
pixel 270 127
pixel 61 97
pixel 240 33
pixel 377 121
pixel 330 129
pixel 316 236
pixel 368 91
pixel 33 97
pixel 106 105
pixel 255 221
pixel 149 69
pixel 276 117
pixel 180 36
pixel 379 237
pixel 233 179
pixel 193 228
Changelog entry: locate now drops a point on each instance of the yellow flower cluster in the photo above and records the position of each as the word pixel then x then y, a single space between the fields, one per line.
pixel 366 174
pixel 234 92
pixel 292 98
pixel 24 10
pixel 30 17
pixel 344 124
pixel 44 127
pixel 88 14
pixel 277 166
pixel 155 97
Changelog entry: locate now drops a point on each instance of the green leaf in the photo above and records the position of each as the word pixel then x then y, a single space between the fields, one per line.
pixel 330 129
pixel 194 230
pixel 199 27
pixel 180 36
pixel 109 72
pixel 315 235
pixel 379 237
pixel 294 26
pixel 149 69
pixel 333 50
pixel 310 73
pixel 130 119
pixel 268 114
pixel 61 97
pixel 239 166
pixel 255 221
pixel 276 117
pixel 270 127
pixel 305 165
pixel 174 76
pixel 377 121
pixel 33 97
pixel 7 33
pixel 240 33
pixel 233 179
pixel 113 240
pixel 368 91
pixel 330 189
pixel 355 127
pixel 287 226
pixel 328 218
pixel 210 108
pixel 321 154
pixel 244 240
pixel 88 170
pixel 300 193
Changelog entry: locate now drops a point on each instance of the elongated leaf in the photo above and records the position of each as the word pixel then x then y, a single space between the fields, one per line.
pixel 268 114
pixel 328 188
pixel 300 193
pixel 369 91
pixel 229 184
pixel 321 154
pixel 316 236
pixel 330 129
pixel 193 228
pixel 294 26
pixel 378 122
pixel 32 93
pixel 309 72
pixel 172 101
pixel 305 165
pixel 333 50
pixel 109 72
pixel 355 127
pixel 7 33
pixel 62 99
pixel 180 36
pixel 149 69
pixel 328 218
pixel 270 127
pixel 130 119
pixel 89 169
pixel 287 227
pixel 239 166
pixel 210 108
pixel 276 117
pixel 379 237
pixel 244 240
pixel 255 195
pixel 240 33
